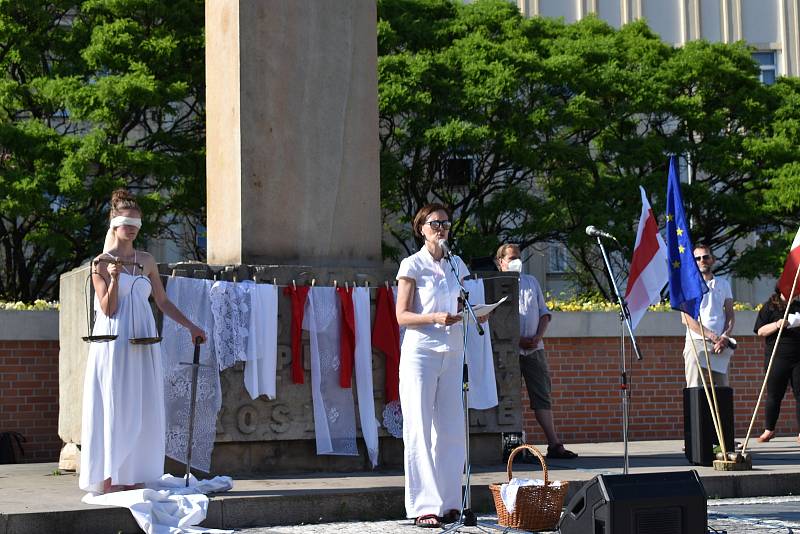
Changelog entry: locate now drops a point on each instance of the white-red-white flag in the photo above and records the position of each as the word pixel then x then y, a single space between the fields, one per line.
pixel 649 272
pixel 789 270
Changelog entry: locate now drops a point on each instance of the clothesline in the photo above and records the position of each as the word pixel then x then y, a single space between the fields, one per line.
pixel 313 282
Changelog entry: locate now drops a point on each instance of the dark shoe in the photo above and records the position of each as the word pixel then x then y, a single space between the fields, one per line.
pixel 558 452
pixel 451 517
pixel 428 521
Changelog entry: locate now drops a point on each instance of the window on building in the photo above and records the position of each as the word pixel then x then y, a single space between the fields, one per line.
pixel 558 259
pixel 459 171
pixel 766 61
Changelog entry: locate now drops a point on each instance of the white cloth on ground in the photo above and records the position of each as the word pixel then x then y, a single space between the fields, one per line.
pixel 334 409
pixel 482 393
pixel 122 429
pixel 508 491
pixel 191 296
pixel 262 343
pixel 166 506
pixel 363 365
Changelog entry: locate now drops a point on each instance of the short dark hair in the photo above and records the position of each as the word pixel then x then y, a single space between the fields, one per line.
pixel 703 246
pixel 424 211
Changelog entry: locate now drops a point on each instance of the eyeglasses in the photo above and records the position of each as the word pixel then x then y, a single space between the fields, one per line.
pixel 435 225
pixel 703 257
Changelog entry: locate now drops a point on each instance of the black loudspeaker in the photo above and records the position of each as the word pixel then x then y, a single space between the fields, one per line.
pixel 648 503
pixel 699 436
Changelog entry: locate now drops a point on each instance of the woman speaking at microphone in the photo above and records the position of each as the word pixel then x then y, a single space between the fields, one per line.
pixel 431 373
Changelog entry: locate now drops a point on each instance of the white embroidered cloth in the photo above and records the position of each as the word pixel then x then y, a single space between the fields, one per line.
pixel 393 419
pixel 334 409
pixel 166 506
pixel 191 296
pixel 508 491
pixel 482 393
pixel 363 364
pixel 230 304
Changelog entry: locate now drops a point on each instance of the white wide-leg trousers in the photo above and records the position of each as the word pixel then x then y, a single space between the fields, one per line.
pixel 433 431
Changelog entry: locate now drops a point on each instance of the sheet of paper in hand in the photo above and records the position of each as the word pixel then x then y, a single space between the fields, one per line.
pixel 484 309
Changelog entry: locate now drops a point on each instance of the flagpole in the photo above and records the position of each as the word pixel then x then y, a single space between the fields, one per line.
pixel 714 419
pixel 715 407
pixel 771 357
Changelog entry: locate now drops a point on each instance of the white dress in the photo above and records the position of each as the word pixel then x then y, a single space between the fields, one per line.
pixel 122 432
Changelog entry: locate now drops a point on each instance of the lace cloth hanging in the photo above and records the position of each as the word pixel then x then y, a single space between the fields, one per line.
pixel 230 304
pixel 334 409
pixel 192 297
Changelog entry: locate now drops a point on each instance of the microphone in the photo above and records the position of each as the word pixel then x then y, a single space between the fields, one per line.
pixel 445 248
pixel 591 231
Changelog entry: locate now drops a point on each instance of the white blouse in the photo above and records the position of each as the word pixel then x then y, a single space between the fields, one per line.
pixel 436 290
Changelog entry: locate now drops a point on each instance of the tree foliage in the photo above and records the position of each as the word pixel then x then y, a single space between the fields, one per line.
pixel 94 95
pixel 565 121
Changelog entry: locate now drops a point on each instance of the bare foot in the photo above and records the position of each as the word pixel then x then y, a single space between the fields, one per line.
pixel 766 436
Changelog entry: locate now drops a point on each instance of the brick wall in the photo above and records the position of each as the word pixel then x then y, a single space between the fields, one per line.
pixel 587 405
pixel 29 396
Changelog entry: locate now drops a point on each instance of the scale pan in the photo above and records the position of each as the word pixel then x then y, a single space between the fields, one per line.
pixel 144 340
pixel 100 339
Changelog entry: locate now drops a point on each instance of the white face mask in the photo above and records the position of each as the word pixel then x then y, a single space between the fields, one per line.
pixel 515 265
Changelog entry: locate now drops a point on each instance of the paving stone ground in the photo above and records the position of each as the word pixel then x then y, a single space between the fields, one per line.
pixel 773 515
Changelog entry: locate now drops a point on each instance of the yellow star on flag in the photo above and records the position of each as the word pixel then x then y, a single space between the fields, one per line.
pixel 681 249
pixel 670 217
pixel 679 232
pixel 676 264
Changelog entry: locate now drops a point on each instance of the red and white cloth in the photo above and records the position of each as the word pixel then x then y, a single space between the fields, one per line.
pixel 649 270
pixel 790 269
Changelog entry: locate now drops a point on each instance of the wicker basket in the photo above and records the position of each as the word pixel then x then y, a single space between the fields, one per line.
pixel 537 507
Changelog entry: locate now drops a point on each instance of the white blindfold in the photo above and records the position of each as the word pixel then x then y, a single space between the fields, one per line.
pixel 126 221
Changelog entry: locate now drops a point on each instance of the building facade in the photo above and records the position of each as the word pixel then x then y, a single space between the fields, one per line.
pixel 771 27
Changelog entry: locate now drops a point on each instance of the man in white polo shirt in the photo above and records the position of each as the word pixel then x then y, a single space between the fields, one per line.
pixel 534 317
pixel 716 313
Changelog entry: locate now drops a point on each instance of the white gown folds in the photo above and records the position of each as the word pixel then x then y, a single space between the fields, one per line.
pixel 191 296
pixel 334 409
pixel 122 432
pixel 260 370
pixel 482 392
pixel 363 364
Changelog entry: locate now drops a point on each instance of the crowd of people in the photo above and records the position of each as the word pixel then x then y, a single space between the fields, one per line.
pixel 123 409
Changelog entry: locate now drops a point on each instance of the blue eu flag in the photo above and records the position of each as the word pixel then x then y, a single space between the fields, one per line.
pixel 686 284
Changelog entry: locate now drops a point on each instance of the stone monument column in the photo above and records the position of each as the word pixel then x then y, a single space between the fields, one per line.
pixel 292 133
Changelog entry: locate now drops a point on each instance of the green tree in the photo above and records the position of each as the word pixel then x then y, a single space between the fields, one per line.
pixel 463 83
pixel 94 95
pixel 565 122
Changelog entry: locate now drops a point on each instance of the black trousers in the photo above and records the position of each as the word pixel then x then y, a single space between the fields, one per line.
pixel 784 370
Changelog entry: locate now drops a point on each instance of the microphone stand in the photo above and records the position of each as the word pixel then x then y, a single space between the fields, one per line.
pixel 624 317
pixel 467 517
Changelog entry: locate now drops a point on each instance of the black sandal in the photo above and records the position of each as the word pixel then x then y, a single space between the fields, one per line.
pixel 558 452
pixel 418 522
